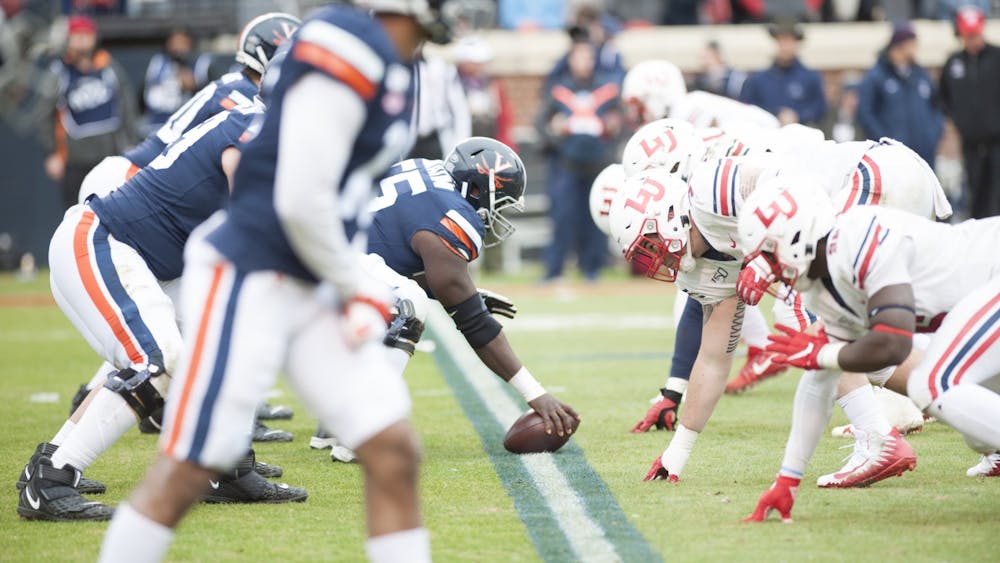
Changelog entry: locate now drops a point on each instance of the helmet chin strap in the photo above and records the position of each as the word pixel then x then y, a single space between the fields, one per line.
pixel 687 261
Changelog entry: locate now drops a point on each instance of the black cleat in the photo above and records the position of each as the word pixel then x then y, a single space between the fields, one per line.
pixel 268 412
pixel 262 433
pixel 50 495
pixel 267 470
pixel 85 486
pixel 152 423
pixel 246 485
pixel 322 439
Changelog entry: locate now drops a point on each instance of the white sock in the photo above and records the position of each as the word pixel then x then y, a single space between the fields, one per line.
pixel 755 328
pixel 863 410
pixel 398 360
pixel 676 455
pixel 108 417
pixel 60 436
pixel 101 375
pixel 974 411
pixel 811 411
pixel 412 546
pixel 134 538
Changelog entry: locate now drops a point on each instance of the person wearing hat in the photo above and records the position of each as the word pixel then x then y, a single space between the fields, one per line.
pixel 970 93
pixel 897 98
pixel 93 111
pixel 788 89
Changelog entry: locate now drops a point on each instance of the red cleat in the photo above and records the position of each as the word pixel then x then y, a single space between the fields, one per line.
pixel 760 366
pixel 876 457
pixel 989 466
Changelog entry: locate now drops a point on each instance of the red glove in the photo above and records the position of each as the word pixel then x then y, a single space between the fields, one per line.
pixel 780 497
pixel 662 413
pixel 754 279
pixel 798 348
pixel 659 473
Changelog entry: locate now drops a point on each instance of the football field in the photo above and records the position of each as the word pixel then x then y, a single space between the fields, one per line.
pixel 602 348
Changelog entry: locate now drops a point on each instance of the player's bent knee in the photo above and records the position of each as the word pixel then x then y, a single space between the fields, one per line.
pixel 918 390
pixel 138 389
pixel 391 455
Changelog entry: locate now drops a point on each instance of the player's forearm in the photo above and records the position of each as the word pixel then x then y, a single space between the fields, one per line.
pixel 320 119
pixel 874 351
pixel 500 357
pixel 811 411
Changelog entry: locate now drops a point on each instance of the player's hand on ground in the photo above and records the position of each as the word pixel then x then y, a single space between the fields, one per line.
pixel 754 279
pixel 498 304
pixel 559 417
pixel 657 472
pixel 662 414
pixel 365 319
pixel 796 348
pixel 780 497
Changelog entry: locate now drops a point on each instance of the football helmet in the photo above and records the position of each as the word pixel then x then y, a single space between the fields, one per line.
pixel 260 38
pixel 491 177
pixel 651 88
pixel 781 224
pixel 670 144
pixel 430 14
pixel 651 224
pixel 602 193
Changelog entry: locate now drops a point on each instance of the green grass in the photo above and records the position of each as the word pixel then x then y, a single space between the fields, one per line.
pixel 933 514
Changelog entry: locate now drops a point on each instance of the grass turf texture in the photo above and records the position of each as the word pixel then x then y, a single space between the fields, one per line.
pixel 932 514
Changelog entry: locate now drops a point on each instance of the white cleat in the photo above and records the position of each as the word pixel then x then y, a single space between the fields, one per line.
pixel 875 457
pixel 988 466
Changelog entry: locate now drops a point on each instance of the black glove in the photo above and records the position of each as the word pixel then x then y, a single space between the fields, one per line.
pixel 498 304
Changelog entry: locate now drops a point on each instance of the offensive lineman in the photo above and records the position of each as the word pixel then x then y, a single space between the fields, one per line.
pixel 875 276
pixel 275 284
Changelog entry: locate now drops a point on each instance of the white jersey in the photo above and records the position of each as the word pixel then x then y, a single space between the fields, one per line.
pixel 704 109
pixel 871 248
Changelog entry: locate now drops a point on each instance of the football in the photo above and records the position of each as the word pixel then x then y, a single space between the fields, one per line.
pixel 527 436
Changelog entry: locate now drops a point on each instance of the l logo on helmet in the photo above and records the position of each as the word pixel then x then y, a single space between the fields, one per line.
pixel 775 209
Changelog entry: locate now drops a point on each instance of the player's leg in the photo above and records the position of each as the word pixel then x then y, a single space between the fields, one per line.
pixel 104 178
pixel 593 250
pixel 363 400
pixel 563 222
pixel 957 381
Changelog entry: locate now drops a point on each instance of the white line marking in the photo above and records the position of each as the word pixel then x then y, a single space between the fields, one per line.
pixel 44 398
pixel 585 536
pixel 548 323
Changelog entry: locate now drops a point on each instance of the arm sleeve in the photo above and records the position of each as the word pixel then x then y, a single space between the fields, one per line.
pixel 320 119
pixel 459 234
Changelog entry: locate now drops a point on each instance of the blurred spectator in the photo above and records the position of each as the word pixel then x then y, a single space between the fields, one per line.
pixel 170 79
pixel 716 76
pixel 93 114
pixel 599 29
pixel 532 14
pixel 970 93
pixel 442 114
pixel 948 9
pixel 580 120
pixel 488 105
pixel 788 89
pixel 842 124
pixel 93 7
pixel 897 98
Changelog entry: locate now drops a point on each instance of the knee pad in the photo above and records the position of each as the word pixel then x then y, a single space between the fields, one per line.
pixel 138 390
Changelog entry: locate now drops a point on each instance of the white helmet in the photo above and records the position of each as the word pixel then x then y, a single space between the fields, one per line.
pixel 670 144
pixel 722 143
pixel 652 88
pixel 650 222
pixel 602 192
pixel 781 223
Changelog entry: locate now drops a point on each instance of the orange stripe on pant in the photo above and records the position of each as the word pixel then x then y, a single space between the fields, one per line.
pixel 192 370
pixel 81 249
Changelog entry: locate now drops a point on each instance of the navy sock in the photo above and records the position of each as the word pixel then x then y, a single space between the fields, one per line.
pixel 687 341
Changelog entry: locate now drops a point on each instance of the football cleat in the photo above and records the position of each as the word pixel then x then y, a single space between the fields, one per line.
pixel 84 486
pixel 847 430
pixel 151 424
pixel 322 439
pixel 760 366
pixel 261 433
pixel 265 411
pixel 988 466
pixel 875 457
pixel 268 470
pixel 50 494
pixel 245 485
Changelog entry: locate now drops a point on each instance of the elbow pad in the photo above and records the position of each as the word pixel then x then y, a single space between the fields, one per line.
pixel 475 321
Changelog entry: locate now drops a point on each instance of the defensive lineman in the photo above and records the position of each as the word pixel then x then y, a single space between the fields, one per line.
pixel 274 284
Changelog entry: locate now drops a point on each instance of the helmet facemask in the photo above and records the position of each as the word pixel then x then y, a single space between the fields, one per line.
pixel 489 210
pixel 651 250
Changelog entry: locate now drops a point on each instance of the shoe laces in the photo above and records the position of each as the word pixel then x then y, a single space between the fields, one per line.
pixel 860 450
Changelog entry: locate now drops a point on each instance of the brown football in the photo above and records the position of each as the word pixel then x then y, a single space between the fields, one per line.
pixel 527 436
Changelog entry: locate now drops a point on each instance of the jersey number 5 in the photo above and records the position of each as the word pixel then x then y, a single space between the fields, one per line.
pixel 651 191
pixel 771 212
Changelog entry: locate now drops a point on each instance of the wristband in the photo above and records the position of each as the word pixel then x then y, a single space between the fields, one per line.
pixel 526 385
pixel 827 357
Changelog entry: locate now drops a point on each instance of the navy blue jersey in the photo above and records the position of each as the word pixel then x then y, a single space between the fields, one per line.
pixel 346 44
pixel 419 195
pixel 156 210
pixel 231 90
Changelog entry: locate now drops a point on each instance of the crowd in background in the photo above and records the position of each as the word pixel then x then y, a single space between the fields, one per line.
pixel 88 107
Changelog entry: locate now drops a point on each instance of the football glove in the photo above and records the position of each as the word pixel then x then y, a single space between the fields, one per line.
pixel 659 473
pixel 498 304
pixel 365 319
pixel 780 497
pixel 662 413
pixel 754 279
pixel 800 349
